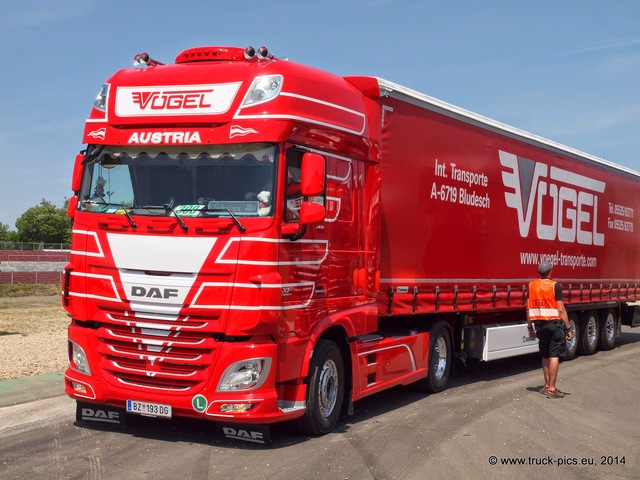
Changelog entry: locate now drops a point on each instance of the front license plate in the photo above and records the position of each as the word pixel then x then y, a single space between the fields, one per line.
pixel 149 409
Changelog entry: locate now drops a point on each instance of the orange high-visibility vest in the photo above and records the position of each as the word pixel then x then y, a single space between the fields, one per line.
pixel 542 300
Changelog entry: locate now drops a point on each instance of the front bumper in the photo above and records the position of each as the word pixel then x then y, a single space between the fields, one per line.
pixel 108 385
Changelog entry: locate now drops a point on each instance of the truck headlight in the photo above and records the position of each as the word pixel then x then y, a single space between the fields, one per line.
pixel 78 359
pixel 245 375
pixel 263 89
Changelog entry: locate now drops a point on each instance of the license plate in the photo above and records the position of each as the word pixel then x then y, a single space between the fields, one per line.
pixel 149 409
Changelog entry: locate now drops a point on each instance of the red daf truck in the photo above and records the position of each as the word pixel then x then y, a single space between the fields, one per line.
pixel 258 241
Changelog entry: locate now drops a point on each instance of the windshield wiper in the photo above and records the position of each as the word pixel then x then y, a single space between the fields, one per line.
pixel 235 219
pixel 168 208
pixel 107 204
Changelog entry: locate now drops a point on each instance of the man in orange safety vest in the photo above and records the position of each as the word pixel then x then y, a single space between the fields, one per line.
pixel 547 313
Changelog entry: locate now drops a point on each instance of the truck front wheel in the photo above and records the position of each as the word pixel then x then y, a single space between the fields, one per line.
pixel 440 357
pixel 325 391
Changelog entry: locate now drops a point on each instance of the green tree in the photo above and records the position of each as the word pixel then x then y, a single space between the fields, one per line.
pixel 44 223
pixel 4 231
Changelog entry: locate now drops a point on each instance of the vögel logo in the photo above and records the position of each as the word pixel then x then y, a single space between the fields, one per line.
pixel 171 100
pixel 570 200
pixel 175 100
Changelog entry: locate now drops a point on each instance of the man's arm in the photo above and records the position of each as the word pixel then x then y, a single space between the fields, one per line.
pixel 530 330
pixel 564 317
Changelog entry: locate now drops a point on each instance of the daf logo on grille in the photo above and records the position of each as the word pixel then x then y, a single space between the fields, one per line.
pixel 153 292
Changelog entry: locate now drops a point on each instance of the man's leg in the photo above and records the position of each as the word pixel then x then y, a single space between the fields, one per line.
pixel 543 344
pixel 546 371
pixel 553 364
pixel 557 345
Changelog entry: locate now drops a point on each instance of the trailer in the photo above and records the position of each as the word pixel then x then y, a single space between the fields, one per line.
pixel 257 241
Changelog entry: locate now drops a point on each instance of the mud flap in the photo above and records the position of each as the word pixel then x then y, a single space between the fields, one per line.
pixel 255 434
pixel 106 416
pixel 631 315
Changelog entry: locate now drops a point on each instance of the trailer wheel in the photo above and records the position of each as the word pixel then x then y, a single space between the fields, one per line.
pixel 325 391
pixel 572 345
pixel 588 333
pixel 608 329
pixel 440 356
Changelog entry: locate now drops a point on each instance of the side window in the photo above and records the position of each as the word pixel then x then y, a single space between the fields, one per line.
pixel 293 195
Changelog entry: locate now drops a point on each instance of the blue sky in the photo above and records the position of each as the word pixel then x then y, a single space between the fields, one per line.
pixel 568 70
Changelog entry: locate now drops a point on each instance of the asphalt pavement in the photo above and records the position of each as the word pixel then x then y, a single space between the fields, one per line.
pixel 490 424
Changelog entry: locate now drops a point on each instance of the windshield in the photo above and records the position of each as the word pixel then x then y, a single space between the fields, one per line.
pixel 223 180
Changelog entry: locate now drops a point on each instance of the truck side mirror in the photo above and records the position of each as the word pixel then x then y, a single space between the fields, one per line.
pixel 76 179
pixel 72 206
pixel 311 212
pixel 312 175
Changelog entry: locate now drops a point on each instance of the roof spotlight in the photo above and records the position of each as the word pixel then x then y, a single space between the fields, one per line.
pixel 263 52
pixel 141 58
pixel 249 52
pixel 144 60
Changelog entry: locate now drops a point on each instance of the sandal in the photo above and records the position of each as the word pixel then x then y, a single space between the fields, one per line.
pixel 554 394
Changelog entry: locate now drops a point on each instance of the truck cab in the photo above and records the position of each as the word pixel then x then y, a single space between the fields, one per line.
pixel 221 220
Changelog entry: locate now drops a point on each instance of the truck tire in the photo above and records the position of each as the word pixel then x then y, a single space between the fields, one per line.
pixel 572 345
pixel 608 329
pixel 588 342
pixel 325 391
pixel 440 357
